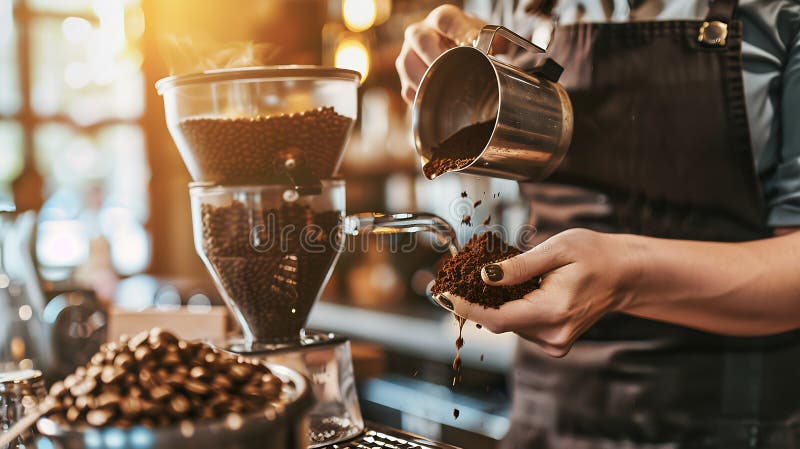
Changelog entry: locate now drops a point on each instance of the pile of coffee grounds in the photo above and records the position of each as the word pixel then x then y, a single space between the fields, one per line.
pixel 271 263
pixel 461 275
pixel 459 150
pixel 250 150
pixel 155 379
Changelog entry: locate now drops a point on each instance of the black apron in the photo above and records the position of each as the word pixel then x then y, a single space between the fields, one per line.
pixel 661 132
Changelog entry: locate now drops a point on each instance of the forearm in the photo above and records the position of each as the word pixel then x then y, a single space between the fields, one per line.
pixel 750 288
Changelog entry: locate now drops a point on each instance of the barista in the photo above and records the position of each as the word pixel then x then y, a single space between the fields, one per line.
pixel 669 307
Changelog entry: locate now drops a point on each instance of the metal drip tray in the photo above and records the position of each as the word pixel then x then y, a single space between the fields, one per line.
pixel 388 438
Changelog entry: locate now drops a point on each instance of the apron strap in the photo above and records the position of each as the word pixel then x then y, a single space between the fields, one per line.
pixel 721 10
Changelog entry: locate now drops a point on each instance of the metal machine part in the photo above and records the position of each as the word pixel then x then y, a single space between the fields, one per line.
pixel 325 359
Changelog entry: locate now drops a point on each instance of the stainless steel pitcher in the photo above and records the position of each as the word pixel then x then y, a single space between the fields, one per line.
pixel 467 85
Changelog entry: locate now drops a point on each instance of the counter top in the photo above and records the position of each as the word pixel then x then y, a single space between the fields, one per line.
pixel 431 338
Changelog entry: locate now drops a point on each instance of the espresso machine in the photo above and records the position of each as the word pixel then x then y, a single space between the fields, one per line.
pixel 263 145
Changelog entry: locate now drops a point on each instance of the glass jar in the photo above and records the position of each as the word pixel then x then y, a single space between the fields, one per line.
pixel 20 393
pixel 22 334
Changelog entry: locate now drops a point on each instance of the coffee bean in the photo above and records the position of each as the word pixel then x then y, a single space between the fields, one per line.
pixel 84 402
pixel 221 382
pixel 107 399
pixel 142 353
pixel 70 381
pixel 160 392
pixel 138 340
pixel 198 372
pixel 240 372
pixel 73 414
pixel 98 417
pixel 94 372
pixel 196 387
pixel 171 358
pixel 179 405
pixel 147 379
pixel 111 374
pixel 123 360
pixel 58 390
pixel 130 407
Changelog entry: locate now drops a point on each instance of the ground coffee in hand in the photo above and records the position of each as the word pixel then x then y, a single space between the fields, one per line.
pixel 459 150
pixel 249 150
pixel 271 263
pixel 461 275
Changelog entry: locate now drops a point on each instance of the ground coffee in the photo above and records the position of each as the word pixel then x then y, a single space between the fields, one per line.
pixel 271 263
pixel 461 275
pixel 249 150
pixel 459 150
pixel 156 379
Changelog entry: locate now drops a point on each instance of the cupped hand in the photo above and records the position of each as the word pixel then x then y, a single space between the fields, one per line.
pixel 444 28
pixel 585 275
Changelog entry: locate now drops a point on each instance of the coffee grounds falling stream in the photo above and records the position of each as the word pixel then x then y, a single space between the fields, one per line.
pixel 459 150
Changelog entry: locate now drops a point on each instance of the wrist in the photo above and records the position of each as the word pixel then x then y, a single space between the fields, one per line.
pixel 631 259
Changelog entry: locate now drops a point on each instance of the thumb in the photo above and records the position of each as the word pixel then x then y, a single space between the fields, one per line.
pixel 523 267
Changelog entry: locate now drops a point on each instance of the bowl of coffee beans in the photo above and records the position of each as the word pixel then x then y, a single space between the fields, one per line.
pixel 247 125
pixel 156 390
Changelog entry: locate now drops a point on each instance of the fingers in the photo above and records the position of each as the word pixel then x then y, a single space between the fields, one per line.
pixel 524 267
pixel 525 318
pixel 444 28
pixel 426 42
pixel 452 22
pixel 512 316
pixel 410 68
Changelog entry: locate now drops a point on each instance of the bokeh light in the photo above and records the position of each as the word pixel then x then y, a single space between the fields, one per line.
pixel 76 29
pixel 359 15
pixel 352 54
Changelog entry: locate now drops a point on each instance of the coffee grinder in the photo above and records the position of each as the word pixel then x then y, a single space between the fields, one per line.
pixel 263 145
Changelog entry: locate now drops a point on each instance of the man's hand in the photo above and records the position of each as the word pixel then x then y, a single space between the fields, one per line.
pixel 444 28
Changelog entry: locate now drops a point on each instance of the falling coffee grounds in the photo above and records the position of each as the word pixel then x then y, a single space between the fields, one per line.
pixel 459 345
pixel 271 263
pixel 246 150
pixel 461 275
pixel 459 150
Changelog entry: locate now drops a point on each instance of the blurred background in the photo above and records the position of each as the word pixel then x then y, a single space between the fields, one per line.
pixel 84 147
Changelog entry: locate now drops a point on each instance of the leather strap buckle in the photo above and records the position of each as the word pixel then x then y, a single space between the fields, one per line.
pixel 713 33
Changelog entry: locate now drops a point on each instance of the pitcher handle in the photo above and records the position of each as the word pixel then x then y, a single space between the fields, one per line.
pixel 486 39
pixel 546 68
